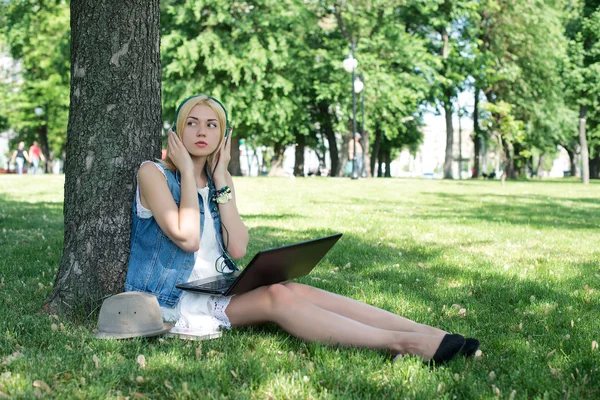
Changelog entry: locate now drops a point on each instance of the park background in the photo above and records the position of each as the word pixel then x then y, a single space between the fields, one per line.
pixel 514 264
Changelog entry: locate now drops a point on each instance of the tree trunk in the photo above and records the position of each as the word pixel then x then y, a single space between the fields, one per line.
pixel 234 168
pixel 376 147
pixel 388 164
pixel 595 167
pixel 114 124
pixel 344 158
pixel 449 159
pixel 572 161
pixel 539 165
pixel 585 158
pixel 43 136
pixel 476 137
pixel 367 171
pixel 327 129
pixel 299 159
pixel 277 161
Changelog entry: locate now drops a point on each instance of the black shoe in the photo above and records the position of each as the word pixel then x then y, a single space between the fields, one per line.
pixel 450 346
pixel 470 347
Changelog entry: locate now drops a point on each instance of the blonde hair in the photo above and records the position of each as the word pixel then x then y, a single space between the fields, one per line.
pixel 184 111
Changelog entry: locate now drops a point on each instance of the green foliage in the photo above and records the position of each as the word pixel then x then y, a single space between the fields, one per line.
pixel 36 32
pixel 277 65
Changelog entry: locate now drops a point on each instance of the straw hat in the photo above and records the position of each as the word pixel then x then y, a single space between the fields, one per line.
pixel 130 314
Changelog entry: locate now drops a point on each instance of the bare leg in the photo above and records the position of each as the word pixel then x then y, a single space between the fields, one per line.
pixel 300 318
pixel 361 312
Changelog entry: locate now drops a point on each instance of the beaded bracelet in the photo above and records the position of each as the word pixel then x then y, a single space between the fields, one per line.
pixel 223 195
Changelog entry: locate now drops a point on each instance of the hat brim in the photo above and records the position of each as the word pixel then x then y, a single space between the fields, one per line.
pixel 167 326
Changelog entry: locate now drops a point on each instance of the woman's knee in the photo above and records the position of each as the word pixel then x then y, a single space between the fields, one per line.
pixel 280 296
pixel 298 288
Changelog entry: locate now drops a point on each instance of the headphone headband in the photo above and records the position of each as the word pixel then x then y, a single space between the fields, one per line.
pixel 174 126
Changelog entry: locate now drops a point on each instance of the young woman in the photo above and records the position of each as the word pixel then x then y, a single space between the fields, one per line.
pixel 186 223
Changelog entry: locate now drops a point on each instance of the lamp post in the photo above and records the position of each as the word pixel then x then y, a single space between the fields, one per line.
pixel 350 65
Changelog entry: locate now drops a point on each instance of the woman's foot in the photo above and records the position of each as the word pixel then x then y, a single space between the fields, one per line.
pixel 470 347
pixel 450 346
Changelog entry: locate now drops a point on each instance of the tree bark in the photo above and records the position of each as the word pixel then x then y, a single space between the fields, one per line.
pixel 367 155
pixel 114 124
pixel 235 168
pixel 572 161
pixel 299 159
pixel 43 136
pixel 476 137
pixel 344 157
pixel 375 156
pixel 595 167
pixel 388 164
pixel 327 128
pixel 277 161
pixel 585 157
pixel 449 158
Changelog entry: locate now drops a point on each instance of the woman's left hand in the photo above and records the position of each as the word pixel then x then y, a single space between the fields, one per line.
pixel 222 159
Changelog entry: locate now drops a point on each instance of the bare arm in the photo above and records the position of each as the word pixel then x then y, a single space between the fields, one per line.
pixel 180 224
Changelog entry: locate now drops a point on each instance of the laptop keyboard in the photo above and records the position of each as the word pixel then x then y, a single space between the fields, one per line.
pixel 216 285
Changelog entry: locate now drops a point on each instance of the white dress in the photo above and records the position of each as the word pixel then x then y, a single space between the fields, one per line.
pixel 202 312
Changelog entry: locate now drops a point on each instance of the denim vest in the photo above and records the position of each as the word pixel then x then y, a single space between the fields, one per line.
pixel 156 264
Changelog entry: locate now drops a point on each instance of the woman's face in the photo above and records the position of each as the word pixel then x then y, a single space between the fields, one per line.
pixel 202 131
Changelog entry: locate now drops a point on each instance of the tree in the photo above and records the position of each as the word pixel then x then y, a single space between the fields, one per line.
pixel 36 33
pixel 524 51
pixel 583 30
pixel 114 124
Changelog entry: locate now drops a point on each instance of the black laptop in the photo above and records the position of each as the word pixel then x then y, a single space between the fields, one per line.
pixel 267 267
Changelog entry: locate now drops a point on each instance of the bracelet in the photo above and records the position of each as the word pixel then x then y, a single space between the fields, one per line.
pixel 223 195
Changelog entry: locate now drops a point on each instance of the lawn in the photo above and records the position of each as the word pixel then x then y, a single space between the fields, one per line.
pixel 517 266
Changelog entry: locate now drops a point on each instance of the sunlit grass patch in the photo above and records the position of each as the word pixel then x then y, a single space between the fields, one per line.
pixel 516 266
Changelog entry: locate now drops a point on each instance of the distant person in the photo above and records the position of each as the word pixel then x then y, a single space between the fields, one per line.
pixel 20 156
pixel 359 151
pixel 186 226
pixel 35 154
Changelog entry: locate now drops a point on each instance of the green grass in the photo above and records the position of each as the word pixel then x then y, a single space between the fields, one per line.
pixel 522 259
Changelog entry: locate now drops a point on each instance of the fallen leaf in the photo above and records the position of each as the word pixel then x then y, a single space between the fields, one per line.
pixel 139 379
pixel 168 385
pixel 492 376
pixel 462 312
pixel 54 327
pixel 137 395
pixel 199 351
pixel 96 361
pixel 141 360
pixel 551 353
pixel 594 345
pixel 305 378
pixel 42 385
pixel 512 395
pixel 233 374
pixel 532 298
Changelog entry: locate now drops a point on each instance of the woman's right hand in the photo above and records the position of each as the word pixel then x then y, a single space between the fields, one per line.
pixel 178 154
